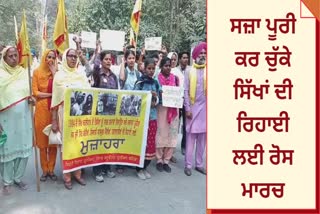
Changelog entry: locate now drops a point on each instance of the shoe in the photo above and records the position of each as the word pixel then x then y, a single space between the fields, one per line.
pixel 99 178
pixel 6 190
pixel 159 167
pixel 187 171
pixel 68 185
pixel 166 168
pixel 147 174
pixel 173 159
pixel 43 177
pixel 120 170
pixel 21 185
pixel 183 151
pixel 201 170
pixel 80 181
pixel 53 177
pixel 141 175
pixel 111 174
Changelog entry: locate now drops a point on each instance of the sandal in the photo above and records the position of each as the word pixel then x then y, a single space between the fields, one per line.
pixel 43 177
pixel 80 181
pixel 120 170
pixel 6 190
pixel 21 185
pixel 68 185
pixel 53 177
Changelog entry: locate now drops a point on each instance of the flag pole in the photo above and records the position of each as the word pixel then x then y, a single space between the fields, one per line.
pixel 136 45
pixel 44 20
pixel 33 137
pixel 136 37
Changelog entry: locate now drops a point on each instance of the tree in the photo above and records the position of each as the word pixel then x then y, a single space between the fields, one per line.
pixel 11 8
pixel 180 23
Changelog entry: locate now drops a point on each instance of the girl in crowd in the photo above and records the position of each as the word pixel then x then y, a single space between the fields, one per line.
pixel 128 74
pixel 67 76
pixel 128 77
pixel 147 83
pixel 173 56
pixel 16 120
pixel 42 90
pixel 168 120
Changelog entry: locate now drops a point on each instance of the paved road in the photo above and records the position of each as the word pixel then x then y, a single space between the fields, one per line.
pixel 166 193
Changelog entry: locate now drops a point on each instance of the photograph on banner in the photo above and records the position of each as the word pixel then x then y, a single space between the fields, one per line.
pixel 72 44
pixel 172 96
pixel 130 105
pixel 81 103
pixel 109 127
pixel 89 39
pixel 153 43
pixel 107 103
pixel 112 40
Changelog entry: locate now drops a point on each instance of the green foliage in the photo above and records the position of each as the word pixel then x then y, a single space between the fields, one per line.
pixel 180 23
pixel 10 8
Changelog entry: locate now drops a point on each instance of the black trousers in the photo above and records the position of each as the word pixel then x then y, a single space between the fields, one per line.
pixel 98 169
pixel 182 113
pixel 146 164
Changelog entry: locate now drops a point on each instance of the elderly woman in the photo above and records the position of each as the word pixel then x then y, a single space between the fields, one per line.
pixel 173 56
pixel 15 119
pixel 42 90
pixel 67 76
pixel 168 120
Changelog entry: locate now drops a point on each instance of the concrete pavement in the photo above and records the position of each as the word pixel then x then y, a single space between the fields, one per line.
pixel 164 193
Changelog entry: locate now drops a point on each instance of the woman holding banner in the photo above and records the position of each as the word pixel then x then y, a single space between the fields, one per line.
pixel 168 120
pixel 104 78
pixel 42 89
pixel 67 76
pixel 173 56
pixel 15 118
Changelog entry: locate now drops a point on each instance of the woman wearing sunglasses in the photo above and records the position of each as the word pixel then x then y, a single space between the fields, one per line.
pixel 42 90
pixel 67 76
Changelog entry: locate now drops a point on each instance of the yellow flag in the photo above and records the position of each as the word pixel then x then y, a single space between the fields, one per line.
pixel 135 16
pixel 60 34
pixel 132 40
pixel 23 46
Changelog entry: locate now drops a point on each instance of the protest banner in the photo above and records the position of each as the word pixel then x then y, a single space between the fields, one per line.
pixel 153 43
pixel 172 96
pixel 112 40
pixel 89 39
pixel 103 126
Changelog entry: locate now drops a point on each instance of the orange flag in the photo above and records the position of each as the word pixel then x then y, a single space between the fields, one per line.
pixel 60 34
pixel 23 46
pixel 135 16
